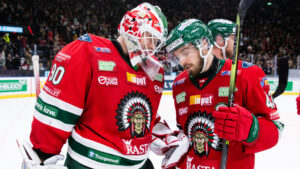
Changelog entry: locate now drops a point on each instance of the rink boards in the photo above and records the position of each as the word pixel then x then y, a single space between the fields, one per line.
pixel 16 87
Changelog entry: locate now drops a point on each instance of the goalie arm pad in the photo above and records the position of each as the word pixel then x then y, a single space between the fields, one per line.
pixel 31 160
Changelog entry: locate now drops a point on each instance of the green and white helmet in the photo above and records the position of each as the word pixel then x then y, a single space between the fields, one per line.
pixel 222 27
pixel 191 31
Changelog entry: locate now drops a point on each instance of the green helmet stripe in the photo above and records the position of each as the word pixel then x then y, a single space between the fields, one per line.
pixel 221 27
pixel 189 31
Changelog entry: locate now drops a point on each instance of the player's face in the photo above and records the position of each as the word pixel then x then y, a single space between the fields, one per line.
pixel 229 48
pixel 189 58
pixel 148 42
pixel 220 40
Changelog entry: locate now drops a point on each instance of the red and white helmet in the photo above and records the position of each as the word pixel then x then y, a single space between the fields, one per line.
pixel 143 22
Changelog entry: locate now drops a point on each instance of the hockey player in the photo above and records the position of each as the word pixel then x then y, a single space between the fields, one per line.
pixel 201 94
pixel 102 95
pixel 223 32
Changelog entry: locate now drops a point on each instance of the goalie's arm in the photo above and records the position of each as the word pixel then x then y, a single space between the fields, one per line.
pixel 61 102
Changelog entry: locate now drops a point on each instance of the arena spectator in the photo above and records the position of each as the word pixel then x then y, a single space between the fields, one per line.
pixel 267 30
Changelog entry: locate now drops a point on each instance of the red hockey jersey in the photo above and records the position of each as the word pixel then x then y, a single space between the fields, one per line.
pixel 94 98
pixel 196 99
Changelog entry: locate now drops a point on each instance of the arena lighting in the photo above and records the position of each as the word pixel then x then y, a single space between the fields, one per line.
pixel 269 3
pixel 13 29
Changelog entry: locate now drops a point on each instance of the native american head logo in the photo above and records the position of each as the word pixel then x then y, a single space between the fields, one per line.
pixel 200 128
pixel 134 112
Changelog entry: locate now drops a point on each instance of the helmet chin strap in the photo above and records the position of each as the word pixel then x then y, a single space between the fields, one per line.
pixel 223 48
pixel 205 57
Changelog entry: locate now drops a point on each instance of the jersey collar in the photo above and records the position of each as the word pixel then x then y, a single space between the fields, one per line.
pixel 121 52
pixel 215 67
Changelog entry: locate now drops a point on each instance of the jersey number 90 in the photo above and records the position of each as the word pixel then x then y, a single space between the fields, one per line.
pixel 56 74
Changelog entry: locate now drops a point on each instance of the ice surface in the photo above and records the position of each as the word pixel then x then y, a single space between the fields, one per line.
pixel 16 116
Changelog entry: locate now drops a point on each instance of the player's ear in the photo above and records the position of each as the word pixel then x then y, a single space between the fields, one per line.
pixel 220 40
pixel 231 36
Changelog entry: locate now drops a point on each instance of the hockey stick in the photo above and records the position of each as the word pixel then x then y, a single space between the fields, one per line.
pixel 283 73
pixel 36 73
pixel 242 10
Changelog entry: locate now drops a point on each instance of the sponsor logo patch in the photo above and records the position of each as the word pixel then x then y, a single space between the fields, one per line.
pixel 108 81
pixel 104 158
pixel 106 66
pixel 179 82
pixel 194 164
pixel 264 82
pixel 136 79
pixel 202 100
pixel 62 57
pixel 224 91
pixel 48 110
pixel 102 49
pixel 52 91
pixel 137 149
pixel 182 111
pixel 174 44
pixel 159 77
pixel 228 72
pixel 158 89
pixel 247 64
pixel 86 38
pixel 274 115
pixel 180 97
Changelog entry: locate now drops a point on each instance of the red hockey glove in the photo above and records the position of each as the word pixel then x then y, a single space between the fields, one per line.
pixel 298 104
pixel 236 123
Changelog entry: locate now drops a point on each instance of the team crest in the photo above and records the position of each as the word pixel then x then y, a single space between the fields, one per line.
pixel 134 113
pixel 200 128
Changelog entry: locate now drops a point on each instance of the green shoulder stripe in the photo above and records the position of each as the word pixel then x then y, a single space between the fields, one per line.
pixel 55 112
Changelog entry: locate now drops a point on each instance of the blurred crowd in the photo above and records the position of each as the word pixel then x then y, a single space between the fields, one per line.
pixel 269 31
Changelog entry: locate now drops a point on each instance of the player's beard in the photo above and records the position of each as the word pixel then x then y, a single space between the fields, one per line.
pixel 194 69
pixel 229 54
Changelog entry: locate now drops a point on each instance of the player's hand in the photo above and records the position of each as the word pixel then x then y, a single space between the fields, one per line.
pixel 236 123
pixel 298 104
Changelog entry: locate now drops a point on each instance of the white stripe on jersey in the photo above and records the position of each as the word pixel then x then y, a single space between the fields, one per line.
pixel 106 149
pixel 60 104
pixel 98 165
pixel 53 122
